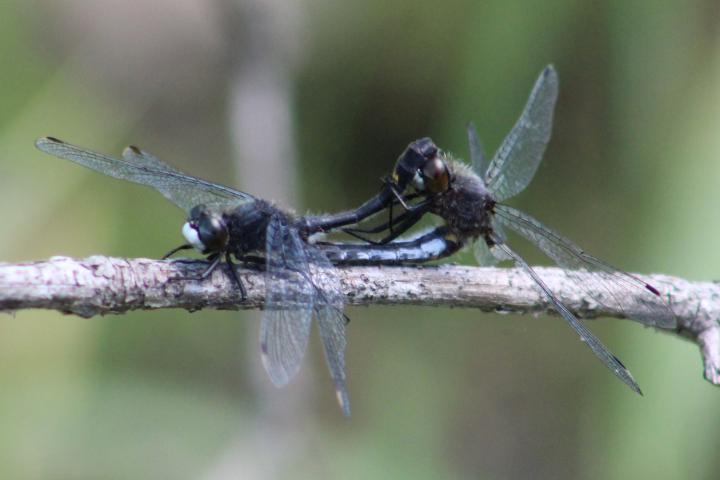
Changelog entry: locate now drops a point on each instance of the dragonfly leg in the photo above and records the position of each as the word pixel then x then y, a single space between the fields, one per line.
pixel 215 261
pixel 405 222
pixel 402 200
pixel 235 277
pixel 184 246
pixel 378 228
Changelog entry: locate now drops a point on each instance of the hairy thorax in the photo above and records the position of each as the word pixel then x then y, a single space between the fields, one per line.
pixel 247 226
pixel 466 206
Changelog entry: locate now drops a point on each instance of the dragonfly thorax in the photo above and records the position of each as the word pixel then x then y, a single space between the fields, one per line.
pixel 466 205
pixel 247 226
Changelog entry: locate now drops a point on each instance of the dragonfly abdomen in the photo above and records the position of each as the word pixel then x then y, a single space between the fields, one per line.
pixel 432 245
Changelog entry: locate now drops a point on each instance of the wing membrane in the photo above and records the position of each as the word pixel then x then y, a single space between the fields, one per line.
pixel 487 256
pixel 477 153
pixel 329 303
pixel 608 359
pixel 604 283
pixel 519 156
pixel 300 279
pixel 285 325
pixel 138 166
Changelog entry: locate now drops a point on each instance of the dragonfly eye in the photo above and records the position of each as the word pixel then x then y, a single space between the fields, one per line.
pixel 436 176
pixel 206 231
pixel 213 233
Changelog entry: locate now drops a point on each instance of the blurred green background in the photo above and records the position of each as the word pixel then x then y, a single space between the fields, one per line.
pixel 309 103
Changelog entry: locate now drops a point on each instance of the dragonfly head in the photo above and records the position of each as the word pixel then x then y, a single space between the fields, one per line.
pixel 206 230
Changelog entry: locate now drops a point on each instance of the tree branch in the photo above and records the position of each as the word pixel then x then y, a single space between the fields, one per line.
pixel 100 285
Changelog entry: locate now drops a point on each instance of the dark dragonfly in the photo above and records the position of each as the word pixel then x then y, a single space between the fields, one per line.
pixel 468 200
pixel 224 223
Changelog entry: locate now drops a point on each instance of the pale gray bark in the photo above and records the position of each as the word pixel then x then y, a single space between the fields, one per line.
pixel 102 285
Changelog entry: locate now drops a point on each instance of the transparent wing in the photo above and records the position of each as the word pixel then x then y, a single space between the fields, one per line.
pixel 519 156
pixel 329 303
pixel 604 283
pixel 477 154
pixel 487 256
pixel 608 359
pixel 289 297
pixel 141 167
pixel 483 255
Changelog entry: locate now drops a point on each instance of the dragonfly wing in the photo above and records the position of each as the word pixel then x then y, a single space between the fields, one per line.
pixel 477 153
pixel 488 256
pixel 608 286
pixel 483 254
pixel 140 167
pixel 289 296
pixel 516 161
pixel 329 303
pixel 605 356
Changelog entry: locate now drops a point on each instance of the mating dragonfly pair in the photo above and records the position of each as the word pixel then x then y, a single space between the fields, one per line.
pixel 224 223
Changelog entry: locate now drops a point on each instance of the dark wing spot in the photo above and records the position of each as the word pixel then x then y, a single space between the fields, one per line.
pixel 652 289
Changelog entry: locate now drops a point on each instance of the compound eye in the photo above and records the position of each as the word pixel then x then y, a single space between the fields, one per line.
pixel 212 232
pixel 437 178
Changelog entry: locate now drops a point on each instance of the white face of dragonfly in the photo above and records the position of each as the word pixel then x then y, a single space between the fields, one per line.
pixel 191 235
pixel 206 231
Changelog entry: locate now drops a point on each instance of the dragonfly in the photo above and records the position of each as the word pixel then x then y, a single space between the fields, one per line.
pixel 469 199
pixel 224 223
